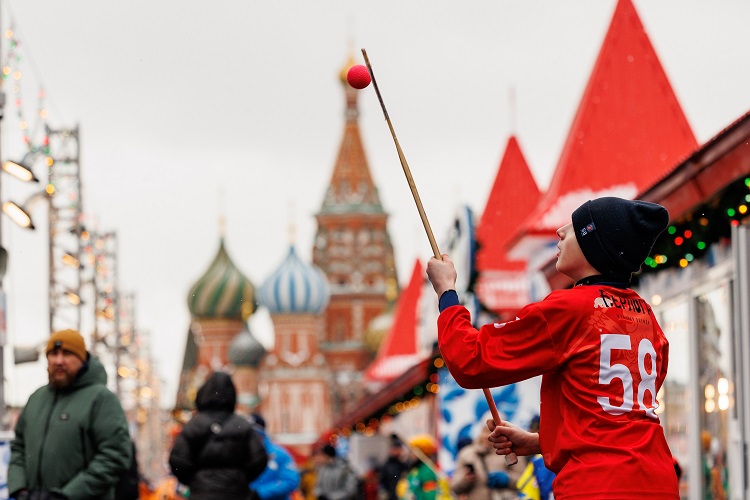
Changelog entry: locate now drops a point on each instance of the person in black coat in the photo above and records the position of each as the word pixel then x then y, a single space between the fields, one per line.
pixel 393 469
pixel 217 454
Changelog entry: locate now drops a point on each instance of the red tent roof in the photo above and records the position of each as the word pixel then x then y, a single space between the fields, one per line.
pixel 513 197
pixel 502 284
pixel 628 132
pixel 398 352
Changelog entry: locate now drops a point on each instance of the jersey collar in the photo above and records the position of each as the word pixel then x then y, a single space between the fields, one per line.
pixel 598 279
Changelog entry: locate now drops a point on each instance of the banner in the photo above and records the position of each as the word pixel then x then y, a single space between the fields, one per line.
pixel 463 411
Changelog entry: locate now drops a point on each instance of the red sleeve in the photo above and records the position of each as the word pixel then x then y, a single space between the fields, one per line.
pixel 498 353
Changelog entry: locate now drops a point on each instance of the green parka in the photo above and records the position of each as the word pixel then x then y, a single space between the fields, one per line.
pixel 72 441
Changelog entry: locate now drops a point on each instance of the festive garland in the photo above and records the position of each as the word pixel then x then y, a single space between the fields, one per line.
pixel 690 238
pixel 11 70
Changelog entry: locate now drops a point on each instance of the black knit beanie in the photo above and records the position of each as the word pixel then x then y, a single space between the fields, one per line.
pixel 616 235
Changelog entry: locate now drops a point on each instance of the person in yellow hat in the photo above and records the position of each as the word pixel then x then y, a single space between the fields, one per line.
pixel 425 481
pixel 71 439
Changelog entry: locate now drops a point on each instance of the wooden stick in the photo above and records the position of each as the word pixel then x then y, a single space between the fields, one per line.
pixel 404 165
pixel 510 459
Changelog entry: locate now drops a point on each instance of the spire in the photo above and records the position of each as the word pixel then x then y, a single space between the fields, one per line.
pixel 292 226
pixel 350 93
pixel 629 129
pixel 351 187
pixel 222 216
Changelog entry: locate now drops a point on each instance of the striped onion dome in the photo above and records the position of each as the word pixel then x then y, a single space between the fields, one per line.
pixel 295 288
pixel 246 350
pixel 223 291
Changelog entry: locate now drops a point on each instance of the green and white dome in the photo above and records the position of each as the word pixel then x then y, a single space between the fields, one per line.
pixel 223 292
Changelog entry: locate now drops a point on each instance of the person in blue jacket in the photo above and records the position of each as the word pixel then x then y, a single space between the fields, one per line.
pixel 280 478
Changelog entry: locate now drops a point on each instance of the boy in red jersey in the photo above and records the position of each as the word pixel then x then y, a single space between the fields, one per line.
pixel 599 349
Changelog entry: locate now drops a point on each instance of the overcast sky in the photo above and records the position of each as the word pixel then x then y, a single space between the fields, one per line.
pixel 181 101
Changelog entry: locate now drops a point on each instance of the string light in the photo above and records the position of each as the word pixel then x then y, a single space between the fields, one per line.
pixel 687 240
pixel 30 129
pixel 409 401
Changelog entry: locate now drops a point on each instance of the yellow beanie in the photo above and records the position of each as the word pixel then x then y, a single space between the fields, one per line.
pixel 424 443
pixel 68 340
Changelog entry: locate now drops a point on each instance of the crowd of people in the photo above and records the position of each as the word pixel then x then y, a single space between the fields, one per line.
pixel 72 441
pixel 214 454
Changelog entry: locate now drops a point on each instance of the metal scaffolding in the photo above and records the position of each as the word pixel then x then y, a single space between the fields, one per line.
pixel 67 233
pixel 106 341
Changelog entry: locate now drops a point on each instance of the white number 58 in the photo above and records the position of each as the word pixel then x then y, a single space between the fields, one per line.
pixel 609 372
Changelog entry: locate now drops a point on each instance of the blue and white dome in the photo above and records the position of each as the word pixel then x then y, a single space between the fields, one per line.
pixel 295 288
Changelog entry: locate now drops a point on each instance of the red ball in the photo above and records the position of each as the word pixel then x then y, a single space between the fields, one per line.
pixel 358 76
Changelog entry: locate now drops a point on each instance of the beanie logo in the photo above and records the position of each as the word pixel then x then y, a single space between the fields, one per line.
pixel 589 228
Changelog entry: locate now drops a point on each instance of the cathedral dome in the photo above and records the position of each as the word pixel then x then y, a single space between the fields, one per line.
pixel 245 350
pixel 295 288
pixel 223 291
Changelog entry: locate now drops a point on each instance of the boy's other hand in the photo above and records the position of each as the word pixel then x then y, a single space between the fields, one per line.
pixel 508 438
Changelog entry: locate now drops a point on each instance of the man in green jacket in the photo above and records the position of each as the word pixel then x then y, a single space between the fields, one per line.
pixel 72 438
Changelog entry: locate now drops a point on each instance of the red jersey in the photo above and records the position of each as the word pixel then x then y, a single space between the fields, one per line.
pixel 603 358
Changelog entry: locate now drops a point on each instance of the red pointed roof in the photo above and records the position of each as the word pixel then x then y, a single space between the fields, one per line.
pixel 513 197
pixel 502 284
pixel 628 132
pixel 399 351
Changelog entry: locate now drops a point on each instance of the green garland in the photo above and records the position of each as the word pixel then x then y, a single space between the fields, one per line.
pixel 689 238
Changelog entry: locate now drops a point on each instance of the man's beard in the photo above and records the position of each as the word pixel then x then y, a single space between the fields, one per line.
pixel 60 382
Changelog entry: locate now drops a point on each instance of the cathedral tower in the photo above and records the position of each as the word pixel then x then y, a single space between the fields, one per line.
pixel 353 248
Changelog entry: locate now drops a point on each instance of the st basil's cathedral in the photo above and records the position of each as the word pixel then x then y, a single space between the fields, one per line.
pixel 324 313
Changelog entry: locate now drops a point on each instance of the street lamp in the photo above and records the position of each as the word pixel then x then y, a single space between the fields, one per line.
pixel 20 214
pixel 21 169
